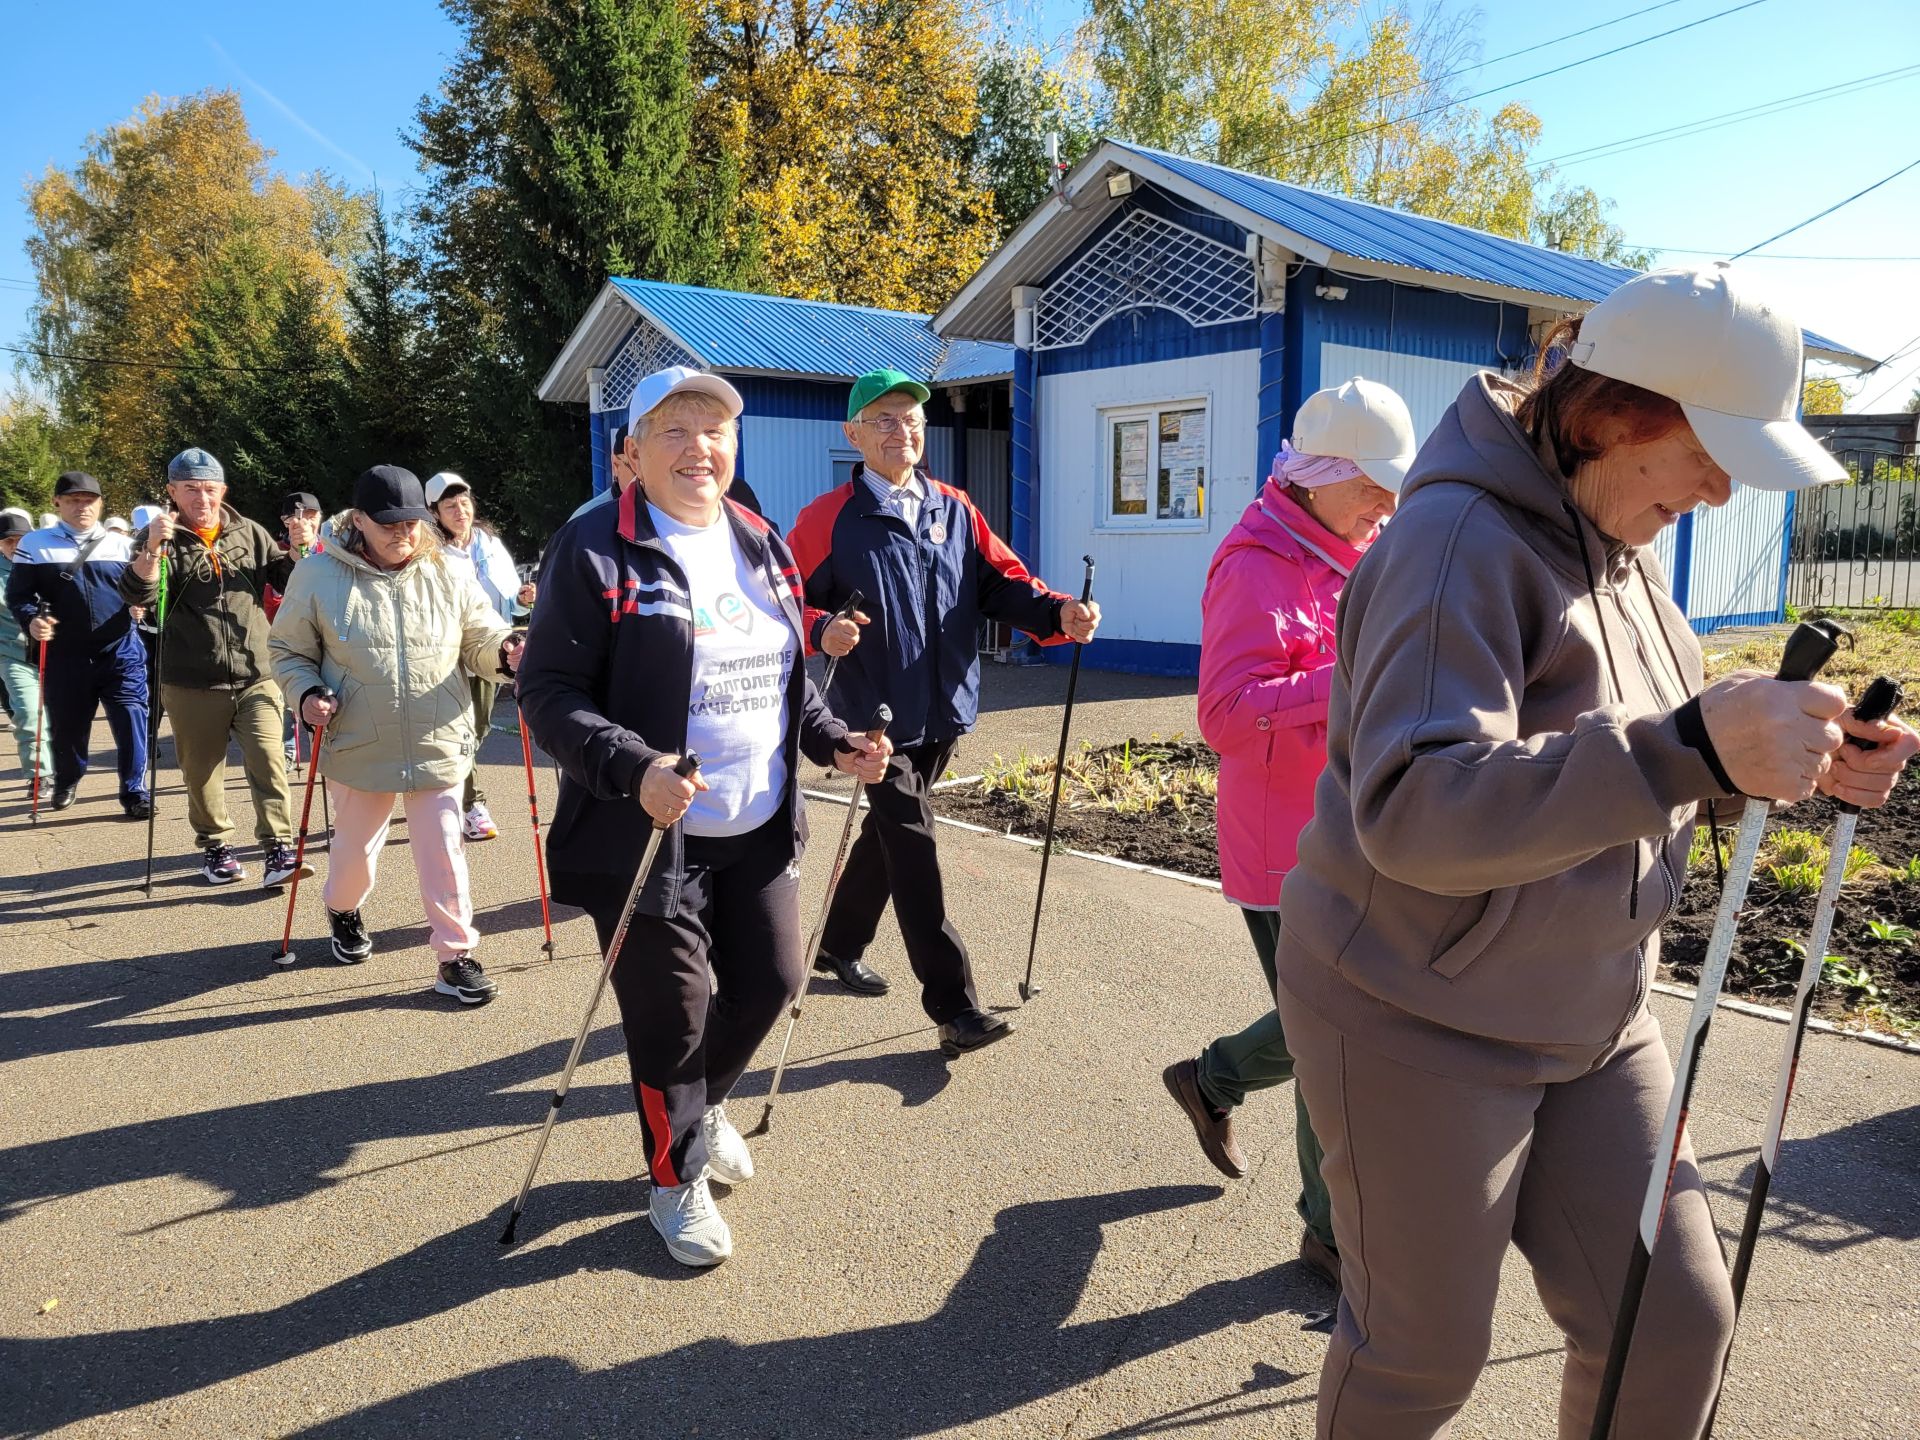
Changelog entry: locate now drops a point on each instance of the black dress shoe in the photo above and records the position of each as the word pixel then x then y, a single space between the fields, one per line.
pixel 858 976
pixel 138 807
pixel 972 1030
pixel 62 797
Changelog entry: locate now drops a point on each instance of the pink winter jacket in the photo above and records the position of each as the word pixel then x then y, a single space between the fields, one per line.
pixel 1266 670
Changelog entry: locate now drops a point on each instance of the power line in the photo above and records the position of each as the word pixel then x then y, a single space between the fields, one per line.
pixel 1905 379
pixel 1721 250
pixel 1838 204
pixel 1527 50
pixel 1626 144
pixel 1510 84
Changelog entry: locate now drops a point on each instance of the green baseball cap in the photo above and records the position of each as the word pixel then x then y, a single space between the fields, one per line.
pixel 875 383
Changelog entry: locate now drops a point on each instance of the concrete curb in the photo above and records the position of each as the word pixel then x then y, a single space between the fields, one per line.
pixel 1680 992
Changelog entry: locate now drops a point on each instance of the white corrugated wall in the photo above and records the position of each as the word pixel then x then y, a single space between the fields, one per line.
pixel 1149 580
pixel 790 462
pixel 1428 386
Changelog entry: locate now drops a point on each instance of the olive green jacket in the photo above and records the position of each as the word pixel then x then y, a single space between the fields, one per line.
pixel 395 647
pixel 215 631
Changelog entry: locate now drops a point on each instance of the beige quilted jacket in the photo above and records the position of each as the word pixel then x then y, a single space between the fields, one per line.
pixel 396 648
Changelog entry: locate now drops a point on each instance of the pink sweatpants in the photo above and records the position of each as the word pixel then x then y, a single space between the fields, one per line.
pixel 360 820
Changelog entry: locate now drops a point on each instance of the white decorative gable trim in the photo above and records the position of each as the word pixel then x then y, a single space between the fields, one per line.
pixel 1146 261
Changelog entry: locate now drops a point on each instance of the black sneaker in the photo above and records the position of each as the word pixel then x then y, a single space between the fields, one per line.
pixel 281 865
pixel 351 943
pixel 221 867
pixel 138 807
pixel 62 797
pixel 462 978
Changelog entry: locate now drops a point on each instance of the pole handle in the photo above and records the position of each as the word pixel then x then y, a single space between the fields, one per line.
pixel 1877 703
pixel 1812 644
pixel 877 727
pixel 854 602
pixel 684 767
pixel 1086 587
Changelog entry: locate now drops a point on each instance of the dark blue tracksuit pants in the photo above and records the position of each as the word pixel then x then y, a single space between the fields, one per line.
pixel 76 690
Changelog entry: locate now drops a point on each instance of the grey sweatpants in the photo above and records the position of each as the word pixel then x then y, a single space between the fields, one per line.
pixel 1432 1177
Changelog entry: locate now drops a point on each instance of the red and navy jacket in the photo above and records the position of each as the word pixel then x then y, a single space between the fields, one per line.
pixel 926 591
pixel 606 680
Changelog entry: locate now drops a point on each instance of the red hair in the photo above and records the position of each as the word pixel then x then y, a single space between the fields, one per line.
pixel 1582 413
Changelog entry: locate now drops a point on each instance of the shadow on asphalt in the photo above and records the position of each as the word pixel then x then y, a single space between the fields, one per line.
pixel 1001 1339
pixel 1842 1188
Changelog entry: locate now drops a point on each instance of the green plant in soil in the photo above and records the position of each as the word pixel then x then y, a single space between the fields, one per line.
pixel 1794 847
pixel 1699 855
pixel 1856 980
pixel 1888 933
pixel 1909 874
pixel 1799 878
pixel 1859 860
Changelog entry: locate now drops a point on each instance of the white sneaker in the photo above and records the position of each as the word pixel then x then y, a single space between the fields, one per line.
pixel 686 1219
pixel 728 1159
pixel 479 824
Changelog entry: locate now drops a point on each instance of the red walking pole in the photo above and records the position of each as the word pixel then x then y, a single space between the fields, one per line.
pixel 533 808
pixel 39 730
pixel 284 955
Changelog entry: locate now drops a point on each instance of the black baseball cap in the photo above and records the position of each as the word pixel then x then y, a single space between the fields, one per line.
pixel 75 482
pixel 298 500
pixel 13 523
pixel 388 494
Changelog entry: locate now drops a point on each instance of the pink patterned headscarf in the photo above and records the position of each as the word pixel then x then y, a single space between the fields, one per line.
pixel 1310 472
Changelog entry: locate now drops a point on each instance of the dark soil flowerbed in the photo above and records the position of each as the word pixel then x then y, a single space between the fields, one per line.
pixel 1165 834
pixel 1874 982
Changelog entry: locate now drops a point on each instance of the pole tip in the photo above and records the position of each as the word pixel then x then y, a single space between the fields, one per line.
pixel 1027 991
pixel 506 1236
pixel 766 1121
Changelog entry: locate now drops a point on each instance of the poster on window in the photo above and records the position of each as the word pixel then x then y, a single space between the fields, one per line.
pixel 1183 465
pixel 1130 467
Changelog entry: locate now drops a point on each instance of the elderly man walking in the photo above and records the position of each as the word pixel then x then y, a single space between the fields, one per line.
pixel 930 569
pixel 217 678
pixel 65 591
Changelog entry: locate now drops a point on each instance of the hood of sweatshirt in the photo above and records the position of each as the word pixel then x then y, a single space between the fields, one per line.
pixel 1501 827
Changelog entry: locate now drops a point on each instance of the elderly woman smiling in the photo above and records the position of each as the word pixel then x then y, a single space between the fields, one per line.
pixel 1518 738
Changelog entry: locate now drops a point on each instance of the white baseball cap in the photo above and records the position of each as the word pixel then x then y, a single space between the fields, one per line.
pixel 1703 338
pixel 678 380
pixel 145 515
pixel 1362 421
pixel 446 483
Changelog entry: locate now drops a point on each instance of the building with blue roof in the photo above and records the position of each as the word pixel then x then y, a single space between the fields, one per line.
pixel 794 362
pixel 1116 379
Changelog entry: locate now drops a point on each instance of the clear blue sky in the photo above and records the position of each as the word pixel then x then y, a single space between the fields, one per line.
pixel 332 88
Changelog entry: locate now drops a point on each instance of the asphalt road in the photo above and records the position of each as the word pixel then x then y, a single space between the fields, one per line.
pixel 267 1202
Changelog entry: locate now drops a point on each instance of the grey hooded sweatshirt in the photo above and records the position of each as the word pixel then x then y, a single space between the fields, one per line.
pixel 1502 826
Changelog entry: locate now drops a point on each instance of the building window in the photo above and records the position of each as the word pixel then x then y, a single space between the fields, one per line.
pixel 1155 466
pixel 843 465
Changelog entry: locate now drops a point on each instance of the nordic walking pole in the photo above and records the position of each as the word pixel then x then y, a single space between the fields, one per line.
pixel 533 808
pixel 1027 988
pixel 684 767
pixel 876 731
pixel 1808 649
pixel 284 955
pixel 39 733
pixel 845 612
pixel 1876 704
pixel 153 715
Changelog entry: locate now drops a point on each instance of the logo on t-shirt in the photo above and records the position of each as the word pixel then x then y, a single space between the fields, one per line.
pixel 730 608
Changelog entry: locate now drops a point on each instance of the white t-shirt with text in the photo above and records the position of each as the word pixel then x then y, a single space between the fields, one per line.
pixel 743 656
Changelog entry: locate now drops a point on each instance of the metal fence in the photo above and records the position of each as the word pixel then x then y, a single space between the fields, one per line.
pixel 1857 545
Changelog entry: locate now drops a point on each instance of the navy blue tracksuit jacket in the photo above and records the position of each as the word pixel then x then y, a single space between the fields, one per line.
pixel 926 589
pixel 95 657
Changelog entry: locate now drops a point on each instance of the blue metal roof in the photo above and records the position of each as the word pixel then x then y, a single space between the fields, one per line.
pixel 1365 231
pixel 734 330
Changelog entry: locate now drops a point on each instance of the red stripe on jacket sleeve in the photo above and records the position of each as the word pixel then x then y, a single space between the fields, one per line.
pixel 811 541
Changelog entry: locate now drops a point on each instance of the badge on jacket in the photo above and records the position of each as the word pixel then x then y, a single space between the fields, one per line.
pixel 937 532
